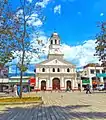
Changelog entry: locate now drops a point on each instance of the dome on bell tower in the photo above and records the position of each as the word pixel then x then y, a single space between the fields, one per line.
pixel 55 34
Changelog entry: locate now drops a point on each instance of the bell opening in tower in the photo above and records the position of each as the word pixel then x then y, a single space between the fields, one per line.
pixel 54 47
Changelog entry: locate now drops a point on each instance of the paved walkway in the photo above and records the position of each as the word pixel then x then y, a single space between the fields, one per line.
pixel 60 106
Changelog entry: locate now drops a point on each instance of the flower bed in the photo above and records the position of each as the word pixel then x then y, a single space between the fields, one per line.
pixel 22 100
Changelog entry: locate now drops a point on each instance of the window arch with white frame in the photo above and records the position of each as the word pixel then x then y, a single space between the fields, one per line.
pixel 68 70
pixel 43 69
pixel 53 69
pixel 58 69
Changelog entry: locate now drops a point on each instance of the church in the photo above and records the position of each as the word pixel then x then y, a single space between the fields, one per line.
pixel 55 73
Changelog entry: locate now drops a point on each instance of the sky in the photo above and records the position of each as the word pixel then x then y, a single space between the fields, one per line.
pixel 76 23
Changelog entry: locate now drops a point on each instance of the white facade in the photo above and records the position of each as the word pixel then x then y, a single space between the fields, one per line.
pixel 55 72
pixel 91 72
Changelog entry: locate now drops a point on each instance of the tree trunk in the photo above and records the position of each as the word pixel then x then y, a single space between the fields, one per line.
pixel 21 76
pixel 23 49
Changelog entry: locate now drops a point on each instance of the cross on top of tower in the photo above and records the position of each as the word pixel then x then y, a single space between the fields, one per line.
pixel 54 33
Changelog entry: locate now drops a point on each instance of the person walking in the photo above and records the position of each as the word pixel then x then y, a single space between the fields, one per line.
pixel 88 89
pixel 18 90
pixel 15 90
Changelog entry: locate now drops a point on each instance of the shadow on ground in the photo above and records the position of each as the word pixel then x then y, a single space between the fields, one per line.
pixel 41 112
pixel 99 92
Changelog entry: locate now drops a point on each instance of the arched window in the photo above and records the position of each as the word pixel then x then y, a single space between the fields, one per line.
pixel 58 70
pixel 43 70
pixel 55 41
pixel 53 70
pixel 68 70
pixel 51 42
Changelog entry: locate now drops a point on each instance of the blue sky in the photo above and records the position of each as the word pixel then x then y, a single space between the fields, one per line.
pixel 77 20
pixel 76 23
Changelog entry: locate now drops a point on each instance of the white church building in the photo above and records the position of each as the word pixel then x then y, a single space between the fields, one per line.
pixel 55 73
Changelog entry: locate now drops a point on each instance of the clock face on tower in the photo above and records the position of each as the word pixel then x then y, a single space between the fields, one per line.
pixel 55 51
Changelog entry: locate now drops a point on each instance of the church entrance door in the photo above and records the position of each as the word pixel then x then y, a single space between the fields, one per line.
pixel 56 84
pixel 43 85
pixel 69 85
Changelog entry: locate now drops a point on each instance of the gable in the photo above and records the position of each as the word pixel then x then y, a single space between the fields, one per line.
pixel 55 62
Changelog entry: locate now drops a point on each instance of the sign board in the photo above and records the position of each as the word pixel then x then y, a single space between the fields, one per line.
pixel 32 81
pixel 101 75
pixel 17 81
pixel 85 82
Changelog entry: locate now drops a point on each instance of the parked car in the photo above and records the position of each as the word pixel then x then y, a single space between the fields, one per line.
pixel 101 87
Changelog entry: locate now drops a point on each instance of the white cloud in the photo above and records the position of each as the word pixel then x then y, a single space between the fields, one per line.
pixel 43 4
pixel 101 14
pixel 37 23
pixel 19 13
pixel 57 9
pixel 44 49
pixel 34 20
pixel 30 1
pixel 81 54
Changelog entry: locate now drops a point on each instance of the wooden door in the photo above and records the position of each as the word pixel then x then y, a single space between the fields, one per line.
pixel 43 85
pixel 56 84
pixel 69 85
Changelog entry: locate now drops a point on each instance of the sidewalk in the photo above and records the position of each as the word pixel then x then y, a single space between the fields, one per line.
pixel 60 106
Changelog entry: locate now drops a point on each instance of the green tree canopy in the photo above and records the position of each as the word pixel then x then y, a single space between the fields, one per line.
pixel 101 44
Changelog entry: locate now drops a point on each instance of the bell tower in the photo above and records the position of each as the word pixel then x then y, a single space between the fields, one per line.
pixel 54 47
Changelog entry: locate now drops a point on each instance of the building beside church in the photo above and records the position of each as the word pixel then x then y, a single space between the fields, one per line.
pixel 93 74
pixel 55 73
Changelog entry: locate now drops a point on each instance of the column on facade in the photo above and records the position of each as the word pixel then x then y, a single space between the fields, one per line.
pixel 81 85
pixel 75 80
pixel 62 82
pixel 50 83
pixel 90 78
pixel 37 83
pixel 49 86
pixel 101 79
pixel 49 80
pixel 73 84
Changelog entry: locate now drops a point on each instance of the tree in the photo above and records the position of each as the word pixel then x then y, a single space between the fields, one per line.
pixel 16 28
pixel 5 34
pixel 23 23
pixel 101 44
